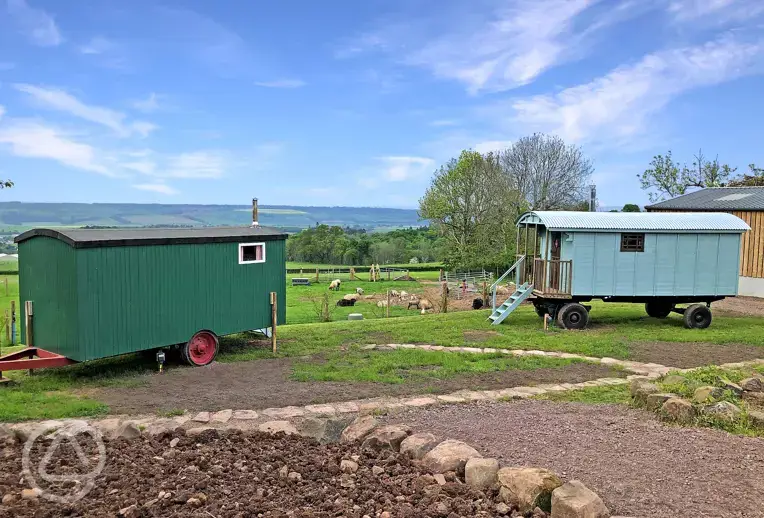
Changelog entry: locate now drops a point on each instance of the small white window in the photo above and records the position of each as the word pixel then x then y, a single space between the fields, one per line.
pixel 251 253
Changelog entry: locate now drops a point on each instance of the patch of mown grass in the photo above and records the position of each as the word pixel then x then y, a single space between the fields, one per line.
pixel 19 405
pixel 608 394
pixel 402 365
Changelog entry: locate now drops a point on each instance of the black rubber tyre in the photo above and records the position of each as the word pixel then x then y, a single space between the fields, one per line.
pixel 201 349
pixel 540 309
pixel 659 309
pixel 573 316
pixel 697 316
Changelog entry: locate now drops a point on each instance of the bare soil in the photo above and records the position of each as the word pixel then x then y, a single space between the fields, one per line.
pixel 748 306
pixel 638 465
pixel 692 354
pixel 267 383
pixel 238 475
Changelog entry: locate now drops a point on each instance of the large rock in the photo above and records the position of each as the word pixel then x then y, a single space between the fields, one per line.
pixel 754 398
pixel 640 389
pixel 23 431
pixel 359 429
pixel 723 410
pixel 575 500
pixel 679 410
pixel 6 433
pixel 386 437
pixel 127 430
pixel 419 444
pixel 481 473
pixel 449 455
pixel 528 488
pixel 655 401
pixel 707 393
pixel 728 385
pixel 324 430
pixel 757 418
pixel 752 384
pixel 274 427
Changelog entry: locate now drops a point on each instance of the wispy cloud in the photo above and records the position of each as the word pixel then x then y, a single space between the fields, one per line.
pixel 281 83
pixel 498 48
pixel 36 24
pixel 443 122
pixel 197 164
pixel 621 103
pixel 161 188
pixel 719 11
pixel 147 105
pixel 401 168
pixel 35 140
pixel 97 45
pixel 59 100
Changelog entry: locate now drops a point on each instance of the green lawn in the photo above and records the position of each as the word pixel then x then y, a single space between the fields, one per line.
pixel 313 266
pixel 402 365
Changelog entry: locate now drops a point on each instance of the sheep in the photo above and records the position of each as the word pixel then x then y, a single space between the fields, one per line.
pixel 394 293
pixel 404 294
pixel 477 303
pixel 346 302
pixel 359 291
pixel 381 303
pixel 335 285
pixel 424 304
pixel 352 296
pixel 413 301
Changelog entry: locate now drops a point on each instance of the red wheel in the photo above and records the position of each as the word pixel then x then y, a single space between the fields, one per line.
pixel 201 349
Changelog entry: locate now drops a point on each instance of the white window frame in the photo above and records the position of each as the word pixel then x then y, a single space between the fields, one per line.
pixel 241 253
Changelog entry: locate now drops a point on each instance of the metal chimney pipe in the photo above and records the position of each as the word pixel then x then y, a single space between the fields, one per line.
pixel 254 213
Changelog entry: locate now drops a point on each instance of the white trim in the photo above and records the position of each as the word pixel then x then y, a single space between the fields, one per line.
pixel 241 254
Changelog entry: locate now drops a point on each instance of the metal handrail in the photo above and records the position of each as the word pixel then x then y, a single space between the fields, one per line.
pixel 512 268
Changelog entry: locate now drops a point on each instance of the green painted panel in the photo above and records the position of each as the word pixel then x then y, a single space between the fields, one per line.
pixel 47 277
pixel 140 297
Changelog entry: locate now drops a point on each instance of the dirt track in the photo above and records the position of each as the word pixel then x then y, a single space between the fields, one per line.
pixel 266 383
pixel 638 465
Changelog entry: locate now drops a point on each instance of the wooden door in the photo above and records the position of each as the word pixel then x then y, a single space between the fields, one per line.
pixel 554 265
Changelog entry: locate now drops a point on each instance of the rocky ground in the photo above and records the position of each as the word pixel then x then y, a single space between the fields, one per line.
pixel 243 475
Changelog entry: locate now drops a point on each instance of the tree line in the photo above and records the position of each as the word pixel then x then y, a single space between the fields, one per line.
pixel 324 244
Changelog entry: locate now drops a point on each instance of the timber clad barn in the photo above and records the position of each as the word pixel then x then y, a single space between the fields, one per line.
pixel 100 293
pixel 747 203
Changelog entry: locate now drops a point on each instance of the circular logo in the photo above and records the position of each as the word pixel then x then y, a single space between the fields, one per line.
pixel 77 476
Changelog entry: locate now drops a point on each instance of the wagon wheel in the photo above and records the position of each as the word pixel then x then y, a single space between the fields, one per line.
pixel 201 349
pixel 697 316
pixel 659 309
pixel 573 316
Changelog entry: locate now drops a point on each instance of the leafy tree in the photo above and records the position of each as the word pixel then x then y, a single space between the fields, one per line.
pixel 6 184
pixel 665 178
pixel 754 179
pixel 548 173
pixel 470 202
pixel 631 207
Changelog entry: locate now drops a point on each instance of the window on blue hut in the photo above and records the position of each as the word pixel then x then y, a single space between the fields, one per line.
pixel 251 253
pixel 632 242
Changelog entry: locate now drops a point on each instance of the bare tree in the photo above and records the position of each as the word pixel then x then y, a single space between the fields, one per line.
pixel 547 172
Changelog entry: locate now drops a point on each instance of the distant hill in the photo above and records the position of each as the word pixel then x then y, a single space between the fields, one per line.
pixel 19 215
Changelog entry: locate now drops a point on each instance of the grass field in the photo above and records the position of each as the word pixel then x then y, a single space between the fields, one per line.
pixel 312 266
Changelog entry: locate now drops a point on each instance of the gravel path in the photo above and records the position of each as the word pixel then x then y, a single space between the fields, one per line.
pixel 749 306
pixel 639 466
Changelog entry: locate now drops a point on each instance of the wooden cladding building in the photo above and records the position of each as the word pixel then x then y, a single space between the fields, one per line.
pixel 747 203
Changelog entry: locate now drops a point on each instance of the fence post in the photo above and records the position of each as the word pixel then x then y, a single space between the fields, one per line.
pixel 13 322
pixel 316 275
pixel 274 320
pixel 444 298
pixel 7 327
pixel 387 308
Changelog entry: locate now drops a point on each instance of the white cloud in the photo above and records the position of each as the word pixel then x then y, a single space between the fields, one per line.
pixel 97 45
pixel 400 168
pixel 2 111
pixel 60 100
pixel 492 145
pixel 148 105
pixel 281 83
pixel 444 122
pixel 161 188
pixel 35 140
pixel 146 167
pixel 196 164
pixel 620 103
pixel 35 24
pixel 718 11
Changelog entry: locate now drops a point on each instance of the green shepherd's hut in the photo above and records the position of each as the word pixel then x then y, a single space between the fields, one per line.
pixel 96 293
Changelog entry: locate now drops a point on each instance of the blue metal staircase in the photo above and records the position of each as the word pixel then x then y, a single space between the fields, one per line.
pixel 523 291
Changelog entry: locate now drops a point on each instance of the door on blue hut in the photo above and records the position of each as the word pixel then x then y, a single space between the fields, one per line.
pixel 554 264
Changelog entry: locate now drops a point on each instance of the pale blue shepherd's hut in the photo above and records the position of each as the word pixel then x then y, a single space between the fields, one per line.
pixel 659 259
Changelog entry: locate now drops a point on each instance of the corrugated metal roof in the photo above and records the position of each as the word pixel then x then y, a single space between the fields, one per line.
pixel 638 221
pixel 717 198
pixel 91 238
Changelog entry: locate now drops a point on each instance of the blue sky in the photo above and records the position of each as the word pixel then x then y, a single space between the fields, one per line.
pixel 350 102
